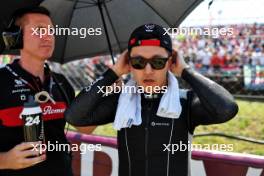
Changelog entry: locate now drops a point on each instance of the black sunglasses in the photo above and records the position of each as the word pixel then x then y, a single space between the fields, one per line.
pixel 140 62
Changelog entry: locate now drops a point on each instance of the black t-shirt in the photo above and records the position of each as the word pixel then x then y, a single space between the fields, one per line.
pixel 14 92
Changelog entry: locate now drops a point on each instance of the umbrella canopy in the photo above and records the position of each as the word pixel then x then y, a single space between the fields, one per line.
pixel 97 27
pixel 121 18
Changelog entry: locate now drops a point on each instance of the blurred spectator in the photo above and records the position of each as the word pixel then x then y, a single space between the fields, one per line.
pixel 216 62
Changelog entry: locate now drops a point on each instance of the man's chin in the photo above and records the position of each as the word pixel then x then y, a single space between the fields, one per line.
pixel 152 84
pixel 46 56
pixel 43 58
pixel 46 51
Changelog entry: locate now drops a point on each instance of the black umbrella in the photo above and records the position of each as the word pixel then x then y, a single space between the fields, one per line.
pixel 7 8
pixel 115 18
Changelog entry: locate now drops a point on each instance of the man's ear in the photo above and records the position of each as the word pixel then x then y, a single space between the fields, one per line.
pixel 170 62
pixel 174 56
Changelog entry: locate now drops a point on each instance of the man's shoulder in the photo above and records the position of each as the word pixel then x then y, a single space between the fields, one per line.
pixel 4 72
pixel 64 83
pixel 183 93
pixel 3 69
pixel 8 82
pixel 59 75
pixel 185 96
pixel 61 79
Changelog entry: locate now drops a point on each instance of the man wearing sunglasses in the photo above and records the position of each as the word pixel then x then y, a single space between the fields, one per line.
pixel 149 123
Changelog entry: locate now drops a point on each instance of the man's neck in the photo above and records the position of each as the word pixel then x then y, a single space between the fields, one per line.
pixel 33 66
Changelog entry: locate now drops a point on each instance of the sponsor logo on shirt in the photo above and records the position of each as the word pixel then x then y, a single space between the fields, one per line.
pixel 159 124
pixel 18 83
pixel 50 110
pixel 20 90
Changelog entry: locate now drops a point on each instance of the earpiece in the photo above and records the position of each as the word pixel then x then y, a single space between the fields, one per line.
pixel 13 36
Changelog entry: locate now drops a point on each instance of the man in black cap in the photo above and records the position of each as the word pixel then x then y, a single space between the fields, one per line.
pixel 150 119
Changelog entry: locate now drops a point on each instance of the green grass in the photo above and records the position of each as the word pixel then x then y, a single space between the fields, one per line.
pixel 249 122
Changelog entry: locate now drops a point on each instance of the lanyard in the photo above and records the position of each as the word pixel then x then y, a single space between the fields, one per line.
pixel 38 90
pixel 23 80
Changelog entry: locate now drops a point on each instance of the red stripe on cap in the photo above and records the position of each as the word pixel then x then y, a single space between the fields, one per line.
pixel 11 116
pixel 150 43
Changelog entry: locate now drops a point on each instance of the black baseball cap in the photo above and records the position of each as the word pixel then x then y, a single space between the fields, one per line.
pixel 150 35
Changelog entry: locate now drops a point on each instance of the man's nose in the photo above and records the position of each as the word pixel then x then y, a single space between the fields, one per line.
pixel 148 69
pixel 47 37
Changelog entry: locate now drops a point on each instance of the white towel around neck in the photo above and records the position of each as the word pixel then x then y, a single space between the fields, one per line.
pixel 129 105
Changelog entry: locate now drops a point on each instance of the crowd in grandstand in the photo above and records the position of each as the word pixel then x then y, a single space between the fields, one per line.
pixel 207 54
